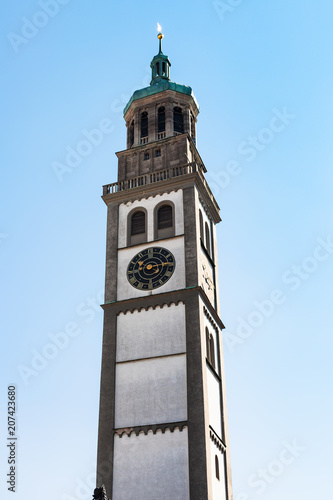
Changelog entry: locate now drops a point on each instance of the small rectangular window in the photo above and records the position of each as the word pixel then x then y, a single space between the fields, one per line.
pixel 146 156
pixel 158 152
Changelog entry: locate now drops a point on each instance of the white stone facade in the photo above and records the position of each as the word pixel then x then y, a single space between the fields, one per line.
pixel 149 204
pixel 151 391
pixel 152 466
pixel 155 332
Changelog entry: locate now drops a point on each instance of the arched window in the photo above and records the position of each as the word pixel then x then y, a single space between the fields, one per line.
pixel 164 220
pixel 144 127
pixel 136 227
pixel 161 119
pixel 201 227
pixel 178 120
pixel 217 468
pixel 131 134
pixel 138 223
pixel 164 217
pixel 207 238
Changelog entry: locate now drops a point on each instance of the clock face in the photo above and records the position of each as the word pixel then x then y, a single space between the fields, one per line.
pixel 151 268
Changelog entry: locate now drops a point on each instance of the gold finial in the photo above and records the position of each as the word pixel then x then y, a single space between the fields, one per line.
pixel 160 35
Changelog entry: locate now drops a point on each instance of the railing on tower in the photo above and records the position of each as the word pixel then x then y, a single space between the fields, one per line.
pixel 159 176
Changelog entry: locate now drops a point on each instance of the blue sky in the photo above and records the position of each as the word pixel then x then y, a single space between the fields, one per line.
pixel 262 74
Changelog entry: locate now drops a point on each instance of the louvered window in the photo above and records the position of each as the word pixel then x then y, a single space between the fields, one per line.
pixel 164 217
pixel 138 223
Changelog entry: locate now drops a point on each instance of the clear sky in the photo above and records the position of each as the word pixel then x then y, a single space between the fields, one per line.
pixel 262 74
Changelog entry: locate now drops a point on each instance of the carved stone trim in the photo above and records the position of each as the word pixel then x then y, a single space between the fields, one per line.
pixel 206 208
pixel 146 197
pixel 211 320
pixel 145 429
pixel 161 299
pixel 147 308
pixel 217 440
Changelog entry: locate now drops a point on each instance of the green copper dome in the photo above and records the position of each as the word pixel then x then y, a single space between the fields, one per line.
pixel 160 66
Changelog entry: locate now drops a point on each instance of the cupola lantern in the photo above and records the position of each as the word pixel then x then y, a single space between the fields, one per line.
pixel 160 64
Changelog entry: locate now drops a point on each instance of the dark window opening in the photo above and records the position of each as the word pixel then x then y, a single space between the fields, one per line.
pixel 207 238
pixel 178 120
pixel 144 124
pixel 161 119
pixel 158 68
pixel 201 227
pixel 192 128
pixel 207 345
pixel 210 349
pixel 158 152
pixel 146 156
pixel 164 217
pixel 164 68
pixel 138 223
pixel 217 468
pixel 131 134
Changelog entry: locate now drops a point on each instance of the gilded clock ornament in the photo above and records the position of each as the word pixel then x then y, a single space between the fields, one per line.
pixel 207 278
pixel 151 268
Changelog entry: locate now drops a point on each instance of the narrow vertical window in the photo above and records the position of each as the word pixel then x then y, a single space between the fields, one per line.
pixel 217 468
pixel 131 134
pixel 144 124
pixel 207 238
pixel 161 119
pixel 178 120
pixel 201 227
pixel 207 345
pixel 138 223
pixel 212 350
pixel 192 128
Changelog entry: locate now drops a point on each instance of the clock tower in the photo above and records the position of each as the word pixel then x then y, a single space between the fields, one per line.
pixel 162 423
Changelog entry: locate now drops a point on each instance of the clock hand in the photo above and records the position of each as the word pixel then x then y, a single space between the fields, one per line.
pixel 150 266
